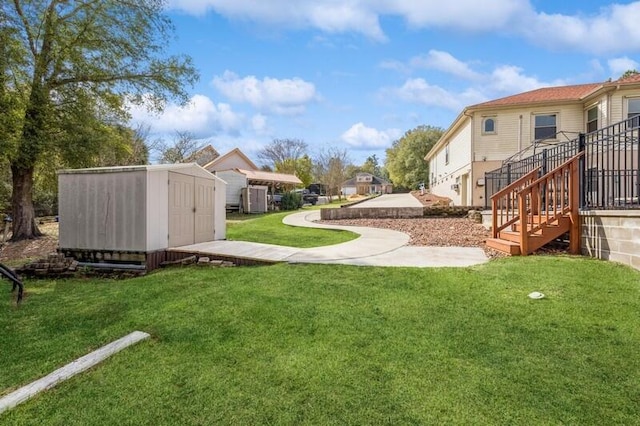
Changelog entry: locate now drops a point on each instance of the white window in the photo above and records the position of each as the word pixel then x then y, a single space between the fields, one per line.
pixel 446 154
pixel 545 126
pixel 633 109
pixel 592 119
pixel 489 125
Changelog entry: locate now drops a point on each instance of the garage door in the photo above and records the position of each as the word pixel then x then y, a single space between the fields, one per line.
pixel 191 217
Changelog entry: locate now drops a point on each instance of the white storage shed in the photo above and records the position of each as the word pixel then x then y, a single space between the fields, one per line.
pixel 139 209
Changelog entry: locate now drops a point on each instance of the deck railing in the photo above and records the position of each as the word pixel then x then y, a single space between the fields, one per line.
pixel 547 200
pixel 504 203
pixel 609 177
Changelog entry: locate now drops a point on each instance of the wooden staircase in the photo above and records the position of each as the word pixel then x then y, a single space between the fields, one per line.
pixel 532 212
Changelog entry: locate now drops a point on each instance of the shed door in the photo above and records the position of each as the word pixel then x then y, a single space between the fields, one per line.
pixel 257 200
pixel 204 219
pixel 191 213
pixel 181 210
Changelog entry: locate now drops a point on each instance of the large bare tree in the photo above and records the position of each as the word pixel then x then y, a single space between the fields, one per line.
pixel 330 166
pixel 70 65
pixel 283 154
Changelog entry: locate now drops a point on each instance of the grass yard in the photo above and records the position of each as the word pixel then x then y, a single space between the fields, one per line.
pixel 269 229
pixel 317 344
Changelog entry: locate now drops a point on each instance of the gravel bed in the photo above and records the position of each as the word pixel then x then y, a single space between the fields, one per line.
pixel 440 232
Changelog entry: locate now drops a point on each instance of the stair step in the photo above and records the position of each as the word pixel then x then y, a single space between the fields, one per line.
pixel 512 236
pixel 504 246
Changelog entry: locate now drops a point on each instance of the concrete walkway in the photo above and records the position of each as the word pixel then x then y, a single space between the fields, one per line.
pixel 374 247
pixel 390 200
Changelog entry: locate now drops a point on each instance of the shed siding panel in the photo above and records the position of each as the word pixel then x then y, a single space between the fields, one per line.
pixel 103 211
pixel 220 214
pixel 158 213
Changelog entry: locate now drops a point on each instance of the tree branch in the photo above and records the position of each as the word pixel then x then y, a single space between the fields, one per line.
pixel 27 29
pixel 102 79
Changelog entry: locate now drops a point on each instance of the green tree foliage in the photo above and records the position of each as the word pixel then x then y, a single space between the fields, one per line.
pixel 405 159
pixel 302 168
pixel 629 73
pixel 371 165
pixel 69 68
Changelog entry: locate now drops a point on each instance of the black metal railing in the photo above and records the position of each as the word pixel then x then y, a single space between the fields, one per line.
pixel 545 156
pixel 611 167
pixel 609 173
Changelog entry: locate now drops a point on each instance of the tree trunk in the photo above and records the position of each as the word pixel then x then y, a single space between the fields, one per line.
pixel 24 218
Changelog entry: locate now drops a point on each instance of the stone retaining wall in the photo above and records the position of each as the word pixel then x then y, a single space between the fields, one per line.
pixel 449 211
pixel 371 213
pixel 612 235
pixel 606 234
pixel 396 212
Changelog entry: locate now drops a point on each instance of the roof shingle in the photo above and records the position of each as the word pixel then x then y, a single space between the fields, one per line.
pixel 545 94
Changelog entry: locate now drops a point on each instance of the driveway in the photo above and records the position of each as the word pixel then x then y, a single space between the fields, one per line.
pixel 390 200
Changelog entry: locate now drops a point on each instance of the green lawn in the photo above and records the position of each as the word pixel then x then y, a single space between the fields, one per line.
pixel 269 229
pixel 319 344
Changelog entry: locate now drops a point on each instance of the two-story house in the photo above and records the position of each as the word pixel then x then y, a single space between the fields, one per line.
pixel 484 135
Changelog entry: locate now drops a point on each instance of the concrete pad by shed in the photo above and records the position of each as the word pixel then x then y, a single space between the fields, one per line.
pixel 242 249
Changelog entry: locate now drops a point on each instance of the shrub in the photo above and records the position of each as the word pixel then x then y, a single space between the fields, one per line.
pixel 291 201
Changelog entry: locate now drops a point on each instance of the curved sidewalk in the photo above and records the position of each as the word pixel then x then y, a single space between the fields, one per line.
pixel 374 247
pixel 379 247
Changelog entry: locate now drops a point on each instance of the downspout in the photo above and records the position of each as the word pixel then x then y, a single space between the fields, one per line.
pixel 520 134
pixel 470 180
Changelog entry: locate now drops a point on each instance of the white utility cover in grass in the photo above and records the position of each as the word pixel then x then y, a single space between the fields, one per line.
pixel 78 366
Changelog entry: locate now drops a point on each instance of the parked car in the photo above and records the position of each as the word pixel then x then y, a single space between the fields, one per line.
pixel 308 197
pixel 275 199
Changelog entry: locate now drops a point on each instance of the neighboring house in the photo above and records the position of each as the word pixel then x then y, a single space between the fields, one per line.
pixel 203 156
pixel 234 159
pixel 247 186
pixel 366 183
pixel 484 135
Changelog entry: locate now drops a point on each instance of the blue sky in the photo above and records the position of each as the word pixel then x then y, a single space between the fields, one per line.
pixel 357 74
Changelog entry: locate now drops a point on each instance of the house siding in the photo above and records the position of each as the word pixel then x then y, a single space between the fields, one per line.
pixel 515 129
pixel 445 174
pixel 235 182
pixel 232 162
pixel 619 104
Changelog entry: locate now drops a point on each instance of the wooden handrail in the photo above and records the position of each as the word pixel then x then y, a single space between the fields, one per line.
pixel 549 198
pixel 570 160
pixel 508 194
pixel 516 183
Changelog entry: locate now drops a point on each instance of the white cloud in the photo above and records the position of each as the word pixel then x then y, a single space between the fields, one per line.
pixel 613 28
pixel 466 15
pixel 501 81
pixel 283 97
pixel 509 79
pixel 259 124
pixel 418 90
pixel 444 61
pixel 618 66
pixel 327 15
pixel 360 136
pixel 201 116
pixel 609 29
